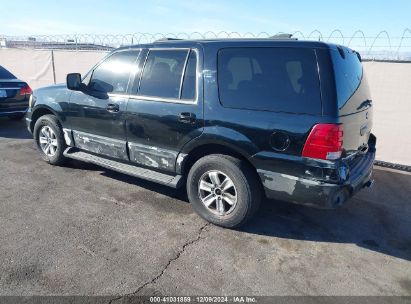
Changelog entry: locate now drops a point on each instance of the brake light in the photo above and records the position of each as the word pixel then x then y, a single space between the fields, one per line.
pixel 324 142
pixel 26 90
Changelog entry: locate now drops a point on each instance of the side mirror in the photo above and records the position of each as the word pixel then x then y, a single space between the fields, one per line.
pixel 73 81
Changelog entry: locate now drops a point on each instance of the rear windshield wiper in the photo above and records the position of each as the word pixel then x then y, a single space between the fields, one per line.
pixel 365 103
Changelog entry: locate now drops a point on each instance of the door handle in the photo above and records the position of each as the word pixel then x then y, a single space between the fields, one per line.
pixel 187 117
pixel 113 108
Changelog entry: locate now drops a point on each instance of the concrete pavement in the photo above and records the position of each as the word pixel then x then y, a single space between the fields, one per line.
pixel 84 230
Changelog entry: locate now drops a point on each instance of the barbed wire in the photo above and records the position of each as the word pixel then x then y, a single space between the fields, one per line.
pixel 381 46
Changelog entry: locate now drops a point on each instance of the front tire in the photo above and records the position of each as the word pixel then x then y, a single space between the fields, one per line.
pixel 49 138
pixel 223 190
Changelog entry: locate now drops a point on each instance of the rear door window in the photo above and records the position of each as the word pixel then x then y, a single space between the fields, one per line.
pixel 269 79
pixel 188 91
pixel 113 74
pixel 163 74
pixel 348 73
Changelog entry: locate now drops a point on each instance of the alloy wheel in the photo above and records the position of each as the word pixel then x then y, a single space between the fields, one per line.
pixel 217 192
pixel 48 141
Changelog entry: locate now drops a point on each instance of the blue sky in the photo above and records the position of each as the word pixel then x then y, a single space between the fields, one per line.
pixel 26 17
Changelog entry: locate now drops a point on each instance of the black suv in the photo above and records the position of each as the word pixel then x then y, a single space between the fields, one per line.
pixel 236 120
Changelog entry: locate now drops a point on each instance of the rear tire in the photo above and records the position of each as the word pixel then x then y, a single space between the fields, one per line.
pixel 224 190
pixel 49 138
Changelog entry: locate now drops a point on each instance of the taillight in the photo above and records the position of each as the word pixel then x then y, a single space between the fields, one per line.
pixel 324 142
pixel 26 90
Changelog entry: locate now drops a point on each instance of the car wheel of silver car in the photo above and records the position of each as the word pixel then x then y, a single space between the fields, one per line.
pixel 223 190
pixel 49 138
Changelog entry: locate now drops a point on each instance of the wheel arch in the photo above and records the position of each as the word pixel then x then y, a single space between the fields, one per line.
pixel 205 149
pixel 41 111
pixel 216 140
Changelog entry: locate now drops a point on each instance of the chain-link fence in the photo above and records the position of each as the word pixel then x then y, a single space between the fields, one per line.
pixel 383 46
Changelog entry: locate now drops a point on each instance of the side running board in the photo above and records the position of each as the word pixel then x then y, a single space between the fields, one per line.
pixel 174 181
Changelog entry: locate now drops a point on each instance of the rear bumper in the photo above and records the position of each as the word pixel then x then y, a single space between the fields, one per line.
pixel 10 107
pixel 353 176
pixel 12 112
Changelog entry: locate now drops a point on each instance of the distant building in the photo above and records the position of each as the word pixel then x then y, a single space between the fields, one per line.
pixel 32 43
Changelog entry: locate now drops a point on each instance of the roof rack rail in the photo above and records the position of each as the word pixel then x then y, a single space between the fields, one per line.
pixel 283 36
pixel 167 39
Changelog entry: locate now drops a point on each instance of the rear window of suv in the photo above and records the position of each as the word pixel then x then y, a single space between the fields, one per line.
pixel 269 79
pixel 348 73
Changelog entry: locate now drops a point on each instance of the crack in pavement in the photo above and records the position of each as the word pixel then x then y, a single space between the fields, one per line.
pixel 176 257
